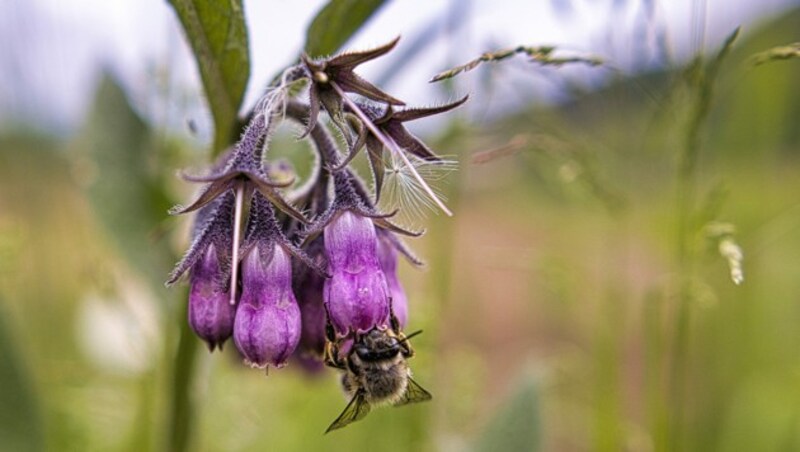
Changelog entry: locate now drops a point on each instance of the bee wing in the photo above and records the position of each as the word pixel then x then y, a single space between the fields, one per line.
pixel 354 411
pixel 414 393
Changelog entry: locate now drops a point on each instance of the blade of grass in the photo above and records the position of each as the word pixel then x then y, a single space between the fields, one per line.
pixel 541 54
pixel 778 53
pixel 701 77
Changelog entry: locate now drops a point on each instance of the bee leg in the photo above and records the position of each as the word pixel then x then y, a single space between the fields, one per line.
pixel 330 333
pixel 331 356
pixel 405 344
pixel 393 321
pixel 407 351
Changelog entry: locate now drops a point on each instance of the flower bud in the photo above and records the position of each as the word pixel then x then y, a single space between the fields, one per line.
pixel 267 325
pixel 210 313
pixel 356 294
pixel 387 256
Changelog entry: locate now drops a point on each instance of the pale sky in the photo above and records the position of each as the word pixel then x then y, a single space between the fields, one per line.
pixel 52 51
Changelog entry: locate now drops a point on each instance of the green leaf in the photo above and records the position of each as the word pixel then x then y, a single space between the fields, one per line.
pixel 218 35
pixel 118 150
pixel 516 425
pixel 336 23
pixel 20 423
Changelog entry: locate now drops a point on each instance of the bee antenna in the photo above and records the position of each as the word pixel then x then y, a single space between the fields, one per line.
pixel 405 339
pixel 415 333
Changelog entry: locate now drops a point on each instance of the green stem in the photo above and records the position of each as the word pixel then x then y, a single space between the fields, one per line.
pixel 181 410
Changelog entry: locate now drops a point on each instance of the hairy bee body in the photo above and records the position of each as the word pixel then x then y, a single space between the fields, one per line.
pixel 382 376
pixel 375 372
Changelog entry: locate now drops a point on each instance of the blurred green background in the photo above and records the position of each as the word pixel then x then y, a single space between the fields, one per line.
pixel 560 309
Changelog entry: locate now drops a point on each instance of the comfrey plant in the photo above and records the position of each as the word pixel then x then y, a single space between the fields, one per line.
pixel 311 274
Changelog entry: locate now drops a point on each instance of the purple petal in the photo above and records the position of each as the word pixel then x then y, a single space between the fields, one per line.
pixel 210 314
pixel 357 301
pixel 351 243
pixel 356 295
pixel 267 326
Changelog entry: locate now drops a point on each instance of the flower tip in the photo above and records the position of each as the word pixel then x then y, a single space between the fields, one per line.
pixel 391 44
pixel 255 365
pixel 188 177
pixel 265 367
pixel 385 224
pixel 375 52
pixel 309 126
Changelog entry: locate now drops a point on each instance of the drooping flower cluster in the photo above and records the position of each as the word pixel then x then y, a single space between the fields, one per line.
pixel 276 271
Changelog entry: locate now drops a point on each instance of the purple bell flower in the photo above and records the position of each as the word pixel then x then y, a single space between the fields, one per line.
pixel 356 294
pixel 208 262
pixel 267 326
pixel 210 313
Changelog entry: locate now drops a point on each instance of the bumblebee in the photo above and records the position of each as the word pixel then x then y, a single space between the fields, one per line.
pixel 375 371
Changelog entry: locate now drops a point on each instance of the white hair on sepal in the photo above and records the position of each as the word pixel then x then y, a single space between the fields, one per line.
pixel 402 189
pixel 273 102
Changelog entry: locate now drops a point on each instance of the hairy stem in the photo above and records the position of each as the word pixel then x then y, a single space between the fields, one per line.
pixel 321 138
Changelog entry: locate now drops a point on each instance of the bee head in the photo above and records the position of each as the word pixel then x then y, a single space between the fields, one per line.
pixel 377 344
